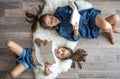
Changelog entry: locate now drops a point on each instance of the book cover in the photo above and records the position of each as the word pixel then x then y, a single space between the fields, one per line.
pixel 75 17
pixel 46 53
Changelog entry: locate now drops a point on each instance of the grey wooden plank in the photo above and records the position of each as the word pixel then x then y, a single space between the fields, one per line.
pixel 30 5
pixel 1 12
pixel 102 62
pixel 4 75
pixel 14 13
pixel 15 35
pixel 112 58
pixel 10 5
pixel 67 78
pixel 11 0
pixel 32 0
pixel 66 75
pixel 14 28
pixel 99 74
pixel 100 42
pixel 118 58
pixel 102 0
pixel 25 75
pixel 2 19
pixel 101 66
pixel 13 20
pixel 7 62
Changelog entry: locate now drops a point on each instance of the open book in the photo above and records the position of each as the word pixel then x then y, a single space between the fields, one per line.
pixel 46 53
pixel 75 17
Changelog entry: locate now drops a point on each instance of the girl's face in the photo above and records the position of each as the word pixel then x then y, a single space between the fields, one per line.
pixel 62 53
pixel 51 21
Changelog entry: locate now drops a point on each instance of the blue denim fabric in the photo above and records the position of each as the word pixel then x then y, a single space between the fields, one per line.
pixel 26 58
pixel 65 28
pixel 87 27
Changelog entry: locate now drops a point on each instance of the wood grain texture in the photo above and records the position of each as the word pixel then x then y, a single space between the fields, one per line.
pixel 102 62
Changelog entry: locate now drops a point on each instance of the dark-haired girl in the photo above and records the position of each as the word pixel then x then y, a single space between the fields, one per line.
pixel 91 21
pixel 27 58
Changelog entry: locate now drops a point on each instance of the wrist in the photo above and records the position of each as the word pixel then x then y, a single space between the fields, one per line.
pixel 76 32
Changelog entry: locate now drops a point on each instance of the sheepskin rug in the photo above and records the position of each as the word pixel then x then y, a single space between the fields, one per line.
pixel 57 40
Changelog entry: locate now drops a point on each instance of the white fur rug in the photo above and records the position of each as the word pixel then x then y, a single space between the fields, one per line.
pixel 57 40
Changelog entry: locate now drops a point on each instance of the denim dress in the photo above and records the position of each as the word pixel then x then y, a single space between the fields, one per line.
pixel 87 27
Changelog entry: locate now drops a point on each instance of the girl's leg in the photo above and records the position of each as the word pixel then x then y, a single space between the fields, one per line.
pixel 14 47
pixel 103 24
pixel 17 71
pixel 113 20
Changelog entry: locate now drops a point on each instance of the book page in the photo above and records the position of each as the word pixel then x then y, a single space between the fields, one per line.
pixel 46 53
pixel 75 17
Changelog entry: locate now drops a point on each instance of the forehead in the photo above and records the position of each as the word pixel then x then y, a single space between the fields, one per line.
pixel 46 18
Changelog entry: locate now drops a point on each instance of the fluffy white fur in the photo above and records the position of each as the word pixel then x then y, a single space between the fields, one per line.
pixel 57 40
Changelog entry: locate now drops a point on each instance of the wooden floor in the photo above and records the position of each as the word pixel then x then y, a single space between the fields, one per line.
pixel 103 60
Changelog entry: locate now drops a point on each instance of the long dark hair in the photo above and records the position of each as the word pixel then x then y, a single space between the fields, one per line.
pixel 34 18
pixel 78 56
pixel 42 20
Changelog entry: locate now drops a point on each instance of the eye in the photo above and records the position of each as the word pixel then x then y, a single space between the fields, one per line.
pixel 51 20
pixel 63 50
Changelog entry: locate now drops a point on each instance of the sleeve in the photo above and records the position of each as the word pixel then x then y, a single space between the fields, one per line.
pixel 63 12
pixel 67 32
pixel 70 37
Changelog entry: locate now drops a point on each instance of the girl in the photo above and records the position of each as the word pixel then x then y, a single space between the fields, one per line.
pixel 27 58
pixel 90 23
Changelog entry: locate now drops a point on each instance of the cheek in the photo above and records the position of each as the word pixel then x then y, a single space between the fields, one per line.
pixel 58 55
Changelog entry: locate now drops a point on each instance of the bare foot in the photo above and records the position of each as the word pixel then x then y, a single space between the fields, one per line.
pixel 109 37
pixel 116 30
pixel 113 40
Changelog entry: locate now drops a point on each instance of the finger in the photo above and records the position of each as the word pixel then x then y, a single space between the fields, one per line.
pixel 45 42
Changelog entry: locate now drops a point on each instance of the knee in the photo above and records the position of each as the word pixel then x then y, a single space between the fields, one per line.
pixel 9 43
pixel 105 25
pixel 116 18
pixel 13 75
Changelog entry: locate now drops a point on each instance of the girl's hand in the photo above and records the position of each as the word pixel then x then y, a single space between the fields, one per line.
pixel 47 64
pixel 47 70
pixel 38 41
pixel 45 42
pixel 76 27
pixel 72 5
